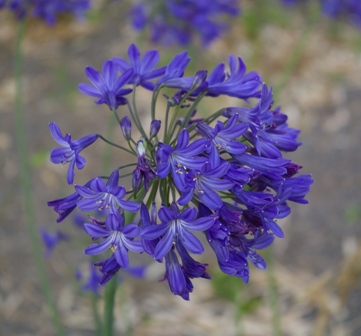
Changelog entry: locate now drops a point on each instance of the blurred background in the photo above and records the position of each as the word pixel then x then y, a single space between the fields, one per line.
pixel 312 286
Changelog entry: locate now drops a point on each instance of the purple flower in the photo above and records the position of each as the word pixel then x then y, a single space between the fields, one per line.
pixel 224 138
pixel 291 2
pixel 65 206
pixel 176 225
pixel 194 84
pixel 178 282
pixel 93 281
pixel 98 195
pixel 176 67
pixel 148 245
pixel 154 128
pixel 226 169
pixel 191 267
pixel 273 168
pixel 110 267
pixel 206 182
pixel 236 83
pixel 143 69
pixel 116 236
pixel 47 10
pixel 144 173
pixel 126 127
pixel 350 9
pixel 51 240
pixel 107 87
pixel 138 14
pixel 71 150
pixel 236 265
pixel 181 159
pixel 176 21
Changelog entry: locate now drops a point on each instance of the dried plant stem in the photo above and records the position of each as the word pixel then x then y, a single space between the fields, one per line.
pixel 26 187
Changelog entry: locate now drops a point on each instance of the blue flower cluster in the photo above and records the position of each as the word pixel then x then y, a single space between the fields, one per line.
pixel 177 21
pixel 47 10
pixel 336 9
pixel 349 9
pixel 221 175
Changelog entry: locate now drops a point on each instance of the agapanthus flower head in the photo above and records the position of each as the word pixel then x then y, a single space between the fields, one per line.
pixel 174 21
pixel 349 10
pixel 48 10
pixel 223 175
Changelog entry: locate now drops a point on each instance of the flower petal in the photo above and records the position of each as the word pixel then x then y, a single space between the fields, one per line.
pixel 99 248
pixel 191 242
pixel 95 231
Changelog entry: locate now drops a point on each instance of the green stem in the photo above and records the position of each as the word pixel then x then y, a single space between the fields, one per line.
pixel 273 294
pixel 154 189
pixel 140 127
pixel 107 150
pixel 191 109
pixel 174 117
pixel 111 286
pixel 26 185
pixel 109 298
pixel 166 123
pixel 96 316
pixel 154 100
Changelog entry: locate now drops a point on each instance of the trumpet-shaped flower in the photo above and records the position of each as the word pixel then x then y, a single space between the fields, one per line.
pixel 143 69
pixel 116 236
pixel 107 87
pixel 99 196
pixel 176 225
pixel 70 152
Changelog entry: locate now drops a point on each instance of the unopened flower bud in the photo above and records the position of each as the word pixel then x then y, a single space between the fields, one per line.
pixel 137 178
pixel 153 213
pixel 154 128
pixel 126 126
pixel 141 148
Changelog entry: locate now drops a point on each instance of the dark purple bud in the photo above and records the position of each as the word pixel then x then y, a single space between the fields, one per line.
pixel 137 178
pixel 154 128
pixel 126 126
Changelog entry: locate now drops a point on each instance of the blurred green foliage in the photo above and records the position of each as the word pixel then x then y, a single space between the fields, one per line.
pixel 234 290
